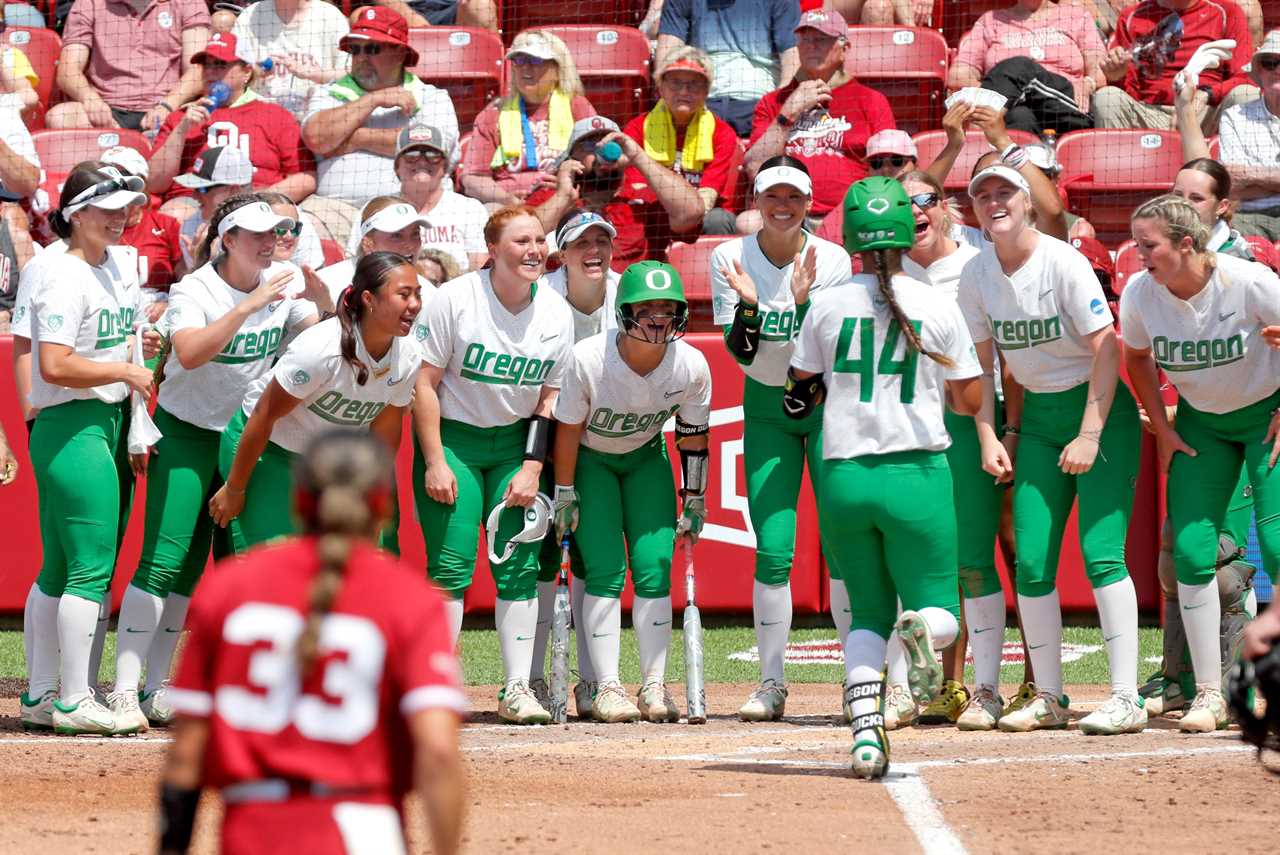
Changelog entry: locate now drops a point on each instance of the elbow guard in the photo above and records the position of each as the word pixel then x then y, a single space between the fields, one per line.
pixel 693 469
pixel 743 337
pixel 538 442
pixel 802 397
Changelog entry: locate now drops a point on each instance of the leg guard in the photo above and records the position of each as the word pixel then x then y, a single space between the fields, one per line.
pixel 1235 580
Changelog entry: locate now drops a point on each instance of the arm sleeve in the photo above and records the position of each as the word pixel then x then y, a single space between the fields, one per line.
pixel 78 29
pixel 184 311
pixel 695 409
pixel 422 658
pixel 194 14
pixel 437 348
pixel 57 310
pixel 1264 292
pixel 1080 296
pixel 299 311
pixel 20 327
pixel 1132 328
pixel 319 101
pixel 724 300
pixel 970 302
pixel 677 20
pixel 572 406
pixel 766 112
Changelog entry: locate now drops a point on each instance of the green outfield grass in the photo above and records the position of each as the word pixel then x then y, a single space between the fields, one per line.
pixel 483 666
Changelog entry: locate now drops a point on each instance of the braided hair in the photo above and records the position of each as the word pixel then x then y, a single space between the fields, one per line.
pixel 225 207
pixel 371 273
pixel 888 262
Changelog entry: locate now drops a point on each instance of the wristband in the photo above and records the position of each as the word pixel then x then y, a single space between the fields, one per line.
pixel 166 107
pixel 1012 429
pixel 1014 156
pixel 783 121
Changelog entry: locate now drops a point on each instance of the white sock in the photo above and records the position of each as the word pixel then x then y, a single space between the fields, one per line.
pixel 517 621
pixel 1042 622
pixel 160 654
pixel 139 616
pixel 943 626
pixel 840 610
pixel 40 624
pixel 1201 615
pixel 771 607
pixel 1118 614
pixel 453 608
pixel 652 621
pixel 985 616
pixel 578 593
pixel 99 640
pixel 1251 604
pixel 77 621
pixel 602 627
pixel 546 605
pixel 29 626
pixel 896 664
pixel 864 651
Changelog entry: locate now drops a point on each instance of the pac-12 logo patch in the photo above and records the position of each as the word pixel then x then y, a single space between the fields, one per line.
pixel 300 378
pixel 55 322
pixel 1097 306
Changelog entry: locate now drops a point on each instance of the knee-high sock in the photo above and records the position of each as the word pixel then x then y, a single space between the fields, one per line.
pixel 160 654
pixel 99 640
pixel 864 651
pixel 943 626
pixel 652 621
pixel 840 610
pixel 771 607
pixel 578 593
pixel 40 626
pixel 1118 614
pixel 77 620
pixel 1201 616
pixel 1042 622
pixel 517 620
pixel 986 616
pixel 602 626
pixel 895 664
pixel 139 617
pixel 453 608
pixel 546 605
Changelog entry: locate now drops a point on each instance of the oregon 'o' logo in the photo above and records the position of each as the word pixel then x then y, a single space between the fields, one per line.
pixel 658 279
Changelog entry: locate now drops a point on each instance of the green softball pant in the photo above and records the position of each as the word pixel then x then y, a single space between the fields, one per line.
pixel 1240 510
pixel 182 476
pixel 1200 488
pixel 1043 493
pixel 483 460
pixel 628 510
pixel 268 498
pixel 977 500
pixel 888 522
pixel 80 459
pixel 774 450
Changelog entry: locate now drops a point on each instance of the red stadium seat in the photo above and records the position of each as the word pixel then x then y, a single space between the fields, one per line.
pixel 930 143
pixel 41 48
pixel 60 150
pixel 693 261
pixel 536 14
pixel 1108 173
pixel 1128 265
pixel 464 60
pixel 613 63
pixel 332 251
pixel 1215 148
pixel 1264 251
pixel 907 64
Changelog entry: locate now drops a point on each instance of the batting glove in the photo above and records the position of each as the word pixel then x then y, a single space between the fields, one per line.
pixel 692 518
pixel 565 506
pixel 1208 55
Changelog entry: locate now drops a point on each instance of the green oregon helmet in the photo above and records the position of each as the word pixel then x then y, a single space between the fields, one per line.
pixel 645 281
pixel 877 215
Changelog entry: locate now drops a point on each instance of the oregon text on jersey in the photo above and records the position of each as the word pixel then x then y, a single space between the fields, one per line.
pixel 488 366
pixel 1016 335
pixel 1195 355
pixel 607 422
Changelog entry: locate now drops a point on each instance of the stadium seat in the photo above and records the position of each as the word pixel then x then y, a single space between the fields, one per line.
pixel 693 261
pixel 1108 173
pixel 1264 251
pixel 1215 148
pixel 907 64
pixel 930 143
pixel 41 48
pixel 332 251
pixel 464 60
pixel 613 63
pixel 60 150
pixel 518 15
pixel 1128 265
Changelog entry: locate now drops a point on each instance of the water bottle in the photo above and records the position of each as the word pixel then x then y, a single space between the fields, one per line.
pixel 610 152
pixel 219 95
pixel 267 64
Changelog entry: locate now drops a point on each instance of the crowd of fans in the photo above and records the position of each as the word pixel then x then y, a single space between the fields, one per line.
pixel 324 110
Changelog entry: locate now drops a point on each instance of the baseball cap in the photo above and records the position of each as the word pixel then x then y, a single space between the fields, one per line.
pixel 218 166
pixel 577 225
pixel 116 192
pixel 584 128
pixel 128 159
pixel 221 47
pixel 254 217
pixel 1270 45
pixel 683 65
pixel 1092 249
pixel 422 136
pixel 789 175
pixel 393 218
pixel 380 24
pixel 891 142
pixel 827 21
pixel 1004 173
pixel 533 43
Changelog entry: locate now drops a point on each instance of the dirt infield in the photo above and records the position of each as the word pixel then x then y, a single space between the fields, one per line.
pixel 732 787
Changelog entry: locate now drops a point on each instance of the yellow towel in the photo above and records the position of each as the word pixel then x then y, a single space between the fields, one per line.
pixel 660 139
pixel 511 130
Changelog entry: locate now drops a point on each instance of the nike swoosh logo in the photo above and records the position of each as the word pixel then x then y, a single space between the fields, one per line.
pixel 1044 294
pixel 601 634
pixel 549 337
pixel 669 394
pixel 661 622
pixel 1035 646
pixel 1186 607
pixel 131 629
pixel 1112 638
pixel 158 232
pixel 166 629
pixel 1222 317
pixel 792 408
pixel 524 638
pixel 984 629
pixel 393 381
pixel 748 345
pixel 770 622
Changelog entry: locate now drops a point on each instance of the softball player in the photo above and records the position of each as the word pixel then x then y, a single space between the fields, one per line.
pixel 387 223
pixel 495 351
pixel 1199 316
pixel 885 503
pixel 318 684
pixel 225 322
pixel 614 487
pixel 761 285
pixel 1037 300
pixel 82 310
pixel 356 370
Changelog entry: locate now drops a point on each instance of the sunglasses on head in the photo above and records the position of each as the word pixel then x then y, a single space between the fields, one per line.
pixel 525 59
pixel 924 201
pixel 1270 63
pixel 365 50
pixel 896 160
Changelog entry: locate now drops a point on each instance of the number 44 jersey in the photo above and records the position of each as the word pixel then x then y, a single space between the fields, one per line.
pixel 385 653
pixel 882 396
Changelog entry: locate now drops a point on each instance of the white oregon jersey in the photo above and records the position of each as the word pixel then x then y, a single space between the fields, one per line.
pixel 943 274
pixel 603 318
pixel 336 278
pixel 624 410
pixel 1210 346
pixel 312 368
pixel 20 326
pixel 89 309
pixel 779 326
pixel 208 396
pixel 882 397
pixel 1041 316
pixel 496 363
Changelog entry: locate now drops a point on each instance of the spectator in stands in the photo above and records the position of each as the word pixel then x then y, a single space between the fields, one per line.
pixel 155 235
pixel 684 136
pixel 751 44
pixel 891 153
pixel 1153 41
pixel 387 224
pixel 517 140
pixel 18 80
pixel 586 180
pixel 128 65
pixel 265 132
pixel 224 14
pixel 216 174
pixel 19 178
pixel 823 118
pixel 353 123
pixel 301 38
pixel 300 244
pixel 456 221
pixel 447 13
pixel 904 13
pixel 437 266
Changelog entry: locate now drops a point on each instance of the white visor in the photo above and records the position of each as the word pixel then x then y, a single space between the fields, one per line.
pixel 1005 173
pixel 788 175
pixel 254 217
pixel 119 192
pixel 392 219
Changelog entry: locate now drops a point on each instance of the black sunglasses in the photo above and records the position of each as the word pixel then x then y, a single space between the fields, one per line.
pixel 896 160
pixel 365 50
pixel 924 201
pixel 1270 63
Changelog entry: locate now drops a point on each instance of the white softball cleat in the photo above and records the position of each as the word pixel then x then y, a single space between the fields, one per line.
pixel 767 703
pixel 1118 714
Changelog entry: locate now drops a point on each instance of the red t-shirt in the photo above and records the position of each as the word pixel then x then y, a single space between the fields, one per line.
pixel 1165 40
pixel 385 654
pixel 716 175
pixel 267 133
pixel 157 237
pixel 832 142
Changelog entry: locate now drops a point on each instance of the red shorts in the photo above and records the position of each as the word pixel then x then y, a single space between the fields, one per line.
pixel 317 826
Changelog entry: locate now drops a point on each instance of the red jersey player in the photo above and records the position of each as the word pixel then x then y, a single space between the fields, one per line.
pixel 319 684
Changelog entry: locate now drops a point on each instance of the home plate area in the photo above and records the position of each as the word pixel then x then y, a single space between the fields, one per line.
pixel 826 651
